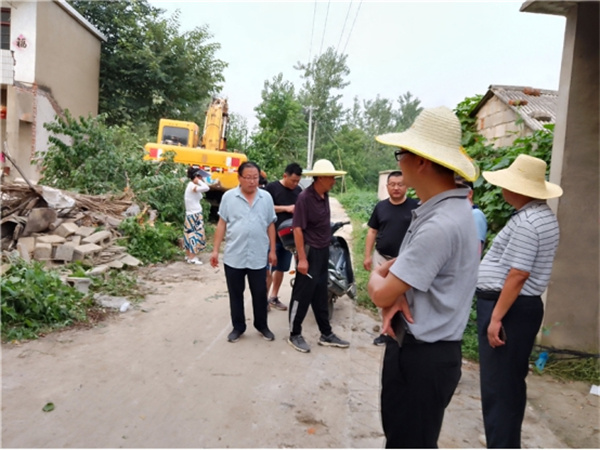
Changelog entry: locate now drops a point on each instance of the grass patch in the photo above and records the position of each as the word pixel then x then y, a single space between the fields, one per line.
pixel 358 206
pixel 36 301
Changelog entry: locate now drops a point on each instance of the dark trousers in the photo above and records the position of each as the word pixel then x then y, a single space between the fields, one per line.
pixel 257 280
pixel 502 370
pixel 311 292
pixel 417 384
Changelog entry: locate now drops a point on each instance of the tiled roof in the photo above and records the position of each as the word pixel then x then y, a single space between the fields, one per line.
pixel 537 107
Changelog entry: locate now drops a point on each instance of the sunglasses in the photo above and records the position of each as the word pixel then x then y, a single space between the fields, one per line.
pixel 398 154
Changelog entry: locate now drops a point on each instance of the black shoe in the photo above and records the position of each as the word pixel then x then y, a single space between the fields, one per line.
pixel 299 343
pixel 333 341
pixel 379 340
pixel 267 335
pixel 234 336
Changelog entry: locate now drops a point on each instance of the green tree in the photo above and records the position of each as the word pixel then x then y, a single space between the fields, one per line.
pixel 237 134
pixel 407 112
pixel 282 129
pixel 324 79
pixel 87 156
pixel 489 158
pixel 149 70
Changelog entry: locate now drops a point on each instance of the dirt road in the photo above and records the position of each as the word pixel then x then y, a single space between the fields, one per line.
pixel 164 375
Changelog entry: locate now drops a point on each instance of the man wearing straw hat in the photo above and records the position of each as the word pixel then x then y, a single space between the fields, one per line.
pixel 512 277
pixel 428 288
pixel 312 235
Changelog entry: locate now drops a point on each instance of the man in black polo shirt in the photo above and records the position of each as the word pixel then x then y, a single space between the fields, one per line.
pixel 312 235
pixel 285 193
pixel 387 226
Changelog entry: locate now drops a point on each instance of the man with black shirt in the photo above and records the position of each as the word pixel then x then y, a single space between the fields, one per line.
pixel 285 193
pixel 387 226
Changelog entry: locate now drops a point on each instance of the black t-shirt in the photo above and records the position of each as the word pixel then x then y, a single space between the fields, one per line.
pixel 282 196
pixel 391 222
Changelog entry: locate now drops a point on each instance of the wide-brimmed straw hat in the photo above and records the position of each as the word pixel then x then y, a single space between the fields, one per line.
pixel 323 168
pixel 436 135
pixel 525 176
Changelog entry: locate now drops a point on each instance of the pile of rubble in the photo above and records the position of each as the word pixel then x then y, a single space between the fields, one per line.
pixel 58 227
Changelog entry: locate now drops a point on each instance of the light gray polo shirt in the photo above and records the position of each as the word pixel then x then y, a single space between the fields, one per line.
pixel 527 242
pixel 246 238
pixel 439 258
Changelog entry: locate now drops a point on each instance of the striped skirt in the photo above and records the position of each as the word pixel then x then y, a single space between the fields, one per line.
pixel 194 239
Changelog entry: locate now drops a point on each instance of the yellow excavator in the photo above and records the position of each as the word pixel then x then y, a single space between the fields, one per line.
pixel 207 152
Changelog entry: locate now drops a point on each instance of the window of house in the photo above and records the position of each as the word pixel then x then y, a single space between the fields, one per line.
pixel 5 29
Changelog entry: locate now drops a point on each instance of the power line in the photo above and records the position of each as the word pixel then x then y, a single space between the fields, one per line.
pixel 312 32
pixel 344 27
pixel 324 28
pixel 351 29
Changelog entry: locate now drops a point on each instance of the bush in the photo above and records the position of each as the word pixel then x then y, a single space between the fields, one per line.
pixel 35 300
pixel 359 205
pixel 87 156
pixel 151 243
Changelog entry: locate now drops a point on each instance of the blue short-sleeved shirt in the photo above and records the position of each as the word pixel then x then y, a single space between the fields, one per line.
pixel 439 258
pixel 480 223
pixel 246 238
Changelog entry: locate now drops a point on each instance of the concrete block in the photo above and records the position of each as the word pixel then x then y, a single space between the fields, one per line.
pixel 50 239
pixel 85 231
pixel 102 238
pixel 28 243
pixel 129 260
pixel 75 239
pixel 81 284
pixel 24 252
pixel 115 264
pixel 98 270
pixel 83 251
pixel 66 229
pixel 42 252
pixel 65 252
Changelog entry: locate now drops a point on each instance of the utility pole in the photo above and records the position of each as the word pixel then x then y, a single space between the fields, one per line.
pixel 309 147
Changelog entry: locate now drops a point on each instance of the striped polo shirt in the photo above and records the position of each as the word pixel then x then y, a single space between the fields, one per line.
pixel 527 242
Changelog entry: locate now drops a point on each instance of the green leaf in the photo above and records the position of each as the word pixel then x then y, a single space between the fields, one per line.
pixel 48 407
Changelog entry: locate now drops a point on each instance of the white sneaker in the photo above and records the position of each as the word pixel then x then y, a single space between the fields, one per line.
pixel 194 260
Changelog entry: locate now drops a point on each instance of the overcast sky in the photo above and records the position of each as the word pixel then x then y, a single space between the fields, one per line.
pixel 441 52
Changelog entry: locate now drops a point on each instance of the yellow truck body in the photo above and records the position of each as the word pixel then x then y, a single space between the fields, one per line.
pixel 212 156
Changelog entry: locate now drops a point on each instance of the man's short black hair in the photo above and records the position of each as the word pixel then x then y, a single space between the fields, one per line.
pixel 247 164
pixel 395 173
pixel 293 169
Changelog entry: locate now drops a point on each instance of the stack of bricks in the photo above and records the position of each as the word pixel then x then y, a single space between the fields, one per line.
pixel 70 242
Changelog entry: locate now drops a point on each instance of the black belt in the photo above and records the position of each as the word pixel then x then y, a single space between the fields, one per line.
pixel 411 339
pixel 495 295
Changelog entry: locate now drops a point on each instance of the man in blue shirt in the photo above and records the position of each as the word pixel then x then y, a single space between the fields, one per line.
pixel 247 222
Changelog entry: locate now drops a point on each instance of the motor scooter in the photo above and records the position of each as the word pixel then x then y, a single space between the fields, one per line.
pixel 340 279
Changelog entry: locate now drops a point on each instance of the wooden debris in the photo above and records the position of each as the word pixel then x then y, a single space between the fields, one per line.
pixel 60 234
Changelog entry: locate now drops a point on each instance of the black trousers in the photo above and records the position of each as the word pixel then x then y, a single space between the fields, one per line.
pixel 417 384
pixel 236 284
pixel 311 292
pixel 502 370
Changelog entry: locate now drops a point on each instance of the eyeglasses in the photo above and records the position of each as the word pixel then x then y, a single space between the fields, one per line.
pixel 398 154
pixel 395 185
pixel 250 178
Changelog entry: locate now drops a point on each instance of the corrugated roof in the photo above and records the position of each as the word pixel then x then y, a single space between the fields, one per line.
pixel 537 107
